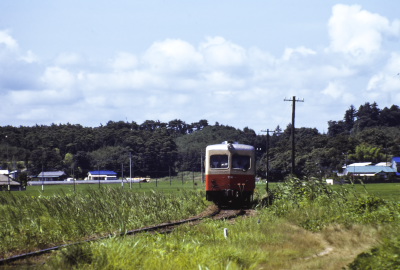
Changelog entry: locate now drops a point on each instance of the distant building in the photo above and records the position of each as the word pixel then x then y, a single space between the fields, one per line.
pixel 396 165
pixel 51 176
pixel 102 175
pixel 370 171
pixel 6 183
pixel 4 172
pixel 382 170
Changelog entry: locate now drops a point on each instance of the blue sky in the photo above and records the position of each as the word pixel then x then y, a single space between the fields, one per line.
pixel 232 62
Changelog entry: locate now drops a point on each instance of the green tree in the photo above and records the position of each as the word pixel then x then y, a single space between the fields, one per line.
pixel 45 159
pixel 365 152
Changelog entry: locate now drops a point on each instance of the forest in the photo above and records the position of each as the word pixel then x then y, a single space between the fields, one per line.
pixel 159 149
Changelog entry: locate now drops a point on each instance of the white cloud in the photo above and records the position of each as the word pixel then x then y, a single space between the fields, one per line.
pixel 29 57
pixel 337 92
pixel 218 79
pixel 124 61
pixel 58 78
pixel 220 53
pixel 172 56
pixel 215 79
pixel 334 90
pixel 7 41
pixel 300 51
pixel 387 80
pixel 123 80
pixel 356 31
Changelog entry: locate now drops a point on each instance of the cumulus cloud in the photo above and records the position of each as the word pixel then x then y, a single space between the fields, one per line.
pixel 216 79
pixel 337 92
pixel 388 79
pixel 10 51
pixel 58 78
pixel 7 41
pixel 293 52
pixel 172 56
pixel 357 31
pixel 220 53
pixel 124 61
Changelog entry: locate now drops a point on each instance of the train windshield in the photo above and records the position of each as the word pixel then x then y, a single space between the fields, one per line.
pixel 240 162
pixel 219 161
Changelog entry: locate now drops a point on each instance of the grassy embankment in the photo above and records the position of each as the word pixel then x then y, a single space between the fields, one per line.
pixel 306 227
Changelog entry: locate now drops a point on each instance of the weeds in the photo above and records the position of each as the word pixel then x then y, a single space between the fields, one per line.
pixel 30 222
pixel 303 218
pixel 384 256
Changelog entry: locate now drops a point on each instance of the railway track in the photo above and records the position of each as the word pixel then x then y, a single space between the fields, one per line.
pixel 214 212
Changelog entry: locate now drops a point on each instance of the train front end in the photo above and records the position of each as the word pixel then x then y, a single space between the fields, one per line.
pixel 230 173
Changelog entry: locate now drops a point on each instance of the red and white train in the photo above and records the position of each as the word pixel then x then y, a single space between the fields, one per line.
pixel 230 173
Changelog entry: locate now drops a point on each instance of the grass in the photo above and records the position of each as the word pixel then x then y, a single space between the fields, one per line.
pixel 388 191
pixel 202 248
pixel 31 222
pixel 162 186
pixel 259 242
pixel 308 226
pixel 165 185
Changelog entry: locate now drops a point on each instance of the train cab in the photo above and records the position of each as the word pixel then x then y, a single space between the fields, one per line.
pixel 230 173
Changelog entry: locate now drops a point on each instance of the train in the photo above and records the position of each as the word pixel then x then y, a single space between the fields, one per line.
pixel 230 170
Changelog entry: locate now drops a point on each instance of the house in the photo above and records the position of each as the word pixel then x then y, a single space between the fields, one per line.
pixel 51 176
pixel 4 172
pixel 382 170
pixel 6 183
pixel 369 171
pixel 102 175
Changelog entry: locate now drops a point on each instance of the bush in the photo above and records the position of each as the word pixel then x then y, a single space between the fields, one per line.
pixel 385 256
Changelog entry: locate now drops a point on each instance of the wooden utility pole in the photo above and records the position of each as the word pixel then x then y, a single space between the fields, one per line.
pixel 268 131
pixel 293 100
pixel 267 152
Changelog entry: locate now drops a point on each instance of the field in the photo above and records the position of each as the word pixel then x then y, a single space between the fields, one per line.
pixel 163 185
pixel 389 191
pixel 302 226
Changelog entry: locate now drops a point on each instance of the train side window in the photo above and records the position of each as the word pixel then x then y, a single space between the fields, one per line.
pixel 240 162
pixel 219 161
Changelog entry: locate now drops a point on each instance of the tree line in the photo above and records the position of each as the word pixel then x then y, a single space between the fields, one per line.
pixel 158 149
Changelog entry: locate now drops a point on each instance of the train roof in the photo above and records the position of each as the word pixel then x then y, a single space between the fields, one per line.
pixel 225 146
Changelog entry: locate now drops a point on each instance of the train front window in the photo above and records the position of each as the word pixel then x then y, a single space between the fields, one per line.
pixel 240 162
pixel 219 161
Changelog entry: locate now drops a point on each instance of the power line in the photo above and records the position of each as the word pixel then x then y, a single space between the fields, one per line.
pixel 293 100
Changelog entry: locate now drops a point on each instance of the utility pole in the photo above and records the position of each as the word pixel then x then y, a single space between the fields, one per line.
pixel 130 170
pixel 293 100
pixel 268 131
pixel 201 167
pixel 274 132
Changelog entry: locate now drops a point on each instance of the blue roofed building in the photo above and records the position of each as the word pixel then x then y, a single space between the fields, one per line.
pixel 102 175
pixel 367 170
pixel 396 165
pixel 370 171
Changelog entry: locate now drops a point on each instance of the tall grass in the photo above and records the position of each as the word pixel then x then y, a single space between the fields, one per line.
pixel 306 218
pixel 249 243
pixel 313 205
pixel 31 222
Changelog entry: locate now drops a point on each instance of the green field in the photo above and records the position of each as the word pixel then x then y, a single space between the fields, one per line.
pixel 389 191
pixel 160 185
pixel 286 233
